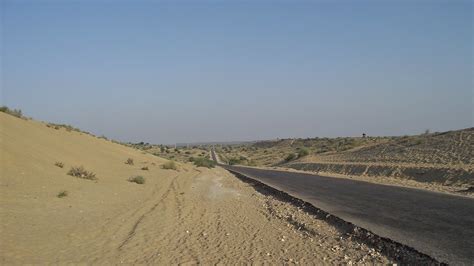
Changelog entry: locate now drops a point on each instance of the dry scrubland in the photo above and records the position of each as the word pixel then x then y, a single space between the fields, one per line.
pixel 437 161
pixel 180 154
pixel 101 211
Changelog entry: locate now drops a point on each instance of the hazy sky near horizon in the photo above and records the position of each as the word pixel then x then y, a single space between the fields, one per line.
pixel 188 71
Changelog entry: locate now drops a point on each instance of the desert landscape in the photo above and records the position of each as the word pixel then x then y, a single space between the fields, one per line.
pixel 441 161
pixel 236 132
pixel 184 215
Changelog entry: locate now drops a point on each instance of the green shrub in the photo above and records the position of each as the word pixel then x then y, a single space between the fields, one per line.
pixel 290 157
pixel 80 172
pixel 303 152
pixel 137 179
pixel 170 165
pixel 233 161
pixel 204 162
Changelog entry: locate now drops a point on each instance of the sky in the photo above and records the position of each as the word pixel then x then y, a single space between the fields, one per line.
pixel 195 71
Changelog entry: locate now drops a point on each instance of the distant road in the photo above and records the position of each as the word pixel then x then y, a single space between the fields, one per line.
pixel 440 225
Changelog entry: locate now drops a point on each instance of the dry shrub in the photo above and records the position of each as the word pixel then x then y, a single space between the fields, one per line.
pixel 171 165
pixel 80 172
pixel 137 179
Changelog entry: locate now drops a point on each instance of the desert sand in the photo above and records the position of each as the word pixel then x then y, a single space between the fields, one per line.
pixel 189 215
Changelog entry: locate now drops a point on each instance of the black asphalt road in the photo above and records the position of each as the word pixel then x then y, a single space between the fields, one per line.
pixel 436 224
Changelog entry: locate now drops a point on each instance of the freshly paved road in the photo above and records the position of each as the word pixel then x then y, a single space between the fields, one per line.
pixel 440 225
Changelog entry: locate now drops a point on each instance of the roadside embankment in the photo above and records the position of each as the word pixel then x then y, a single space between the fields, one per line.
pixel 434 178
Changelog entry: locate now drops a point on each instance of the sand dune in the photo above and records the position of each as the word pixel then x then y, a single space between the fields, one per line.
pixel 192 215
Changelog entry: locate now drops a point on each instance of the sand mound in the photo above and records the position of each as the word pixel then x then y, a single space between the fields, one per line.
pixel 35 223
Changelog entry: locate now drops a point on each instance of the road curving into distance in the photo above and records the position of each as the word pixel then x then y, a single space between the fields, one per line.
pixel 437 224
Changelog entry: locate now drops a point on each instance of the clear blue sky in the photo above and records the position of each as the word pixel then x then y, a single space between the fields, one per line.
pixel 166 72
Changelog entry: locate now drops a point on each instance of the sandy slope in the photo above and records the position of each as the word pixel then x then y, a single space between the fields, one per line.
pixel 186 216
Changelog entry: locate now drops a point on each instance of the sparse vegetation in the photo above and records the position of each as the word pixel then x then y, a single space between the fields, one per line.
pixel 170 165
pixel 68 128
pixel 14 112
pixel 62 194
pixel 80 172
pixel 129 161
pixel 145 168
pixel 204 162
pixel 59 164
pixel 137 179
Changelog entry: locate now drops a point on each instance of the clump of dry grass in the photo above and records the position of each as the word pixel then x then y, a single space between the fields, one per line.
pixel 137 179
pixel 170 165
pixel 80 172
pixel 62 194
pixel 129 161
pixel 59 164
pixel 145 168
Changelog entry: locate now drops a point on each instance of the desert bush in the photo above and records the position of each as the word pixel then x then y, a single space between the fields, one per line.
pixel 290 157
pixel 204 162
pixel 252 163
pixel 129 161
pixel 59 164
pixel 137 179
pixel 145 168
pixel 303 152
pixel 62 194
pixel 233 161
pixel 170 165
pixel 80 172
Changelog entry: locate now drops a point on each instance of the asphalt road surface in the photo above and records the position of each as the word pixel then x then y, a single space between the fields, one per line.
pixel 437 224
